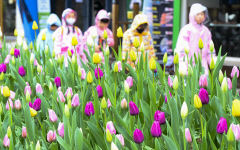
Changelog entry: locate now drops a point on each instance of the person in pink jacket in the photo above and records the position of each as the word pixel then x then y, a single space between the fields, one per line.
pixel 96 33
pixel 191 33
pixel 63 37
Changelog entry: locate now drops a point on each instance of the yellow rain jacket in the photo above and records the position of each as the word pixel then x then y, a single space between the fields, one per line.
pixel 144 37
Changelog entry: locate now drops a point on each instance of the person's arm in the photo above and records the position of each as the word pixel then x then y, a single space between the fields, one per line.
pixel 182 42
pixel 110 39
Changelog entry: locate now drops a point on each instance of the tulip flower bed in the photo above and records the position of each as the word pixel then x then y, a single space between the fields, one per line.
pixel 45 105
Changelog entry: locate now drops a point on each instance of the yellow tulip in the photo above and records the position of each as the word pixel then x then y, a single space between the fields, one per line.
pixel 211 46
pixel 200 44
pixel 236 108
pixel 165 58
pixel 96 58
pixel 66 111
pixel 6 91
pixel 12 51
pixel 34 25
pixel 44 36
pixel 108 136
pixel 136 43
pixel 9 132
pixel 74 41
pixel 89 77
pixel 105 35
pixel 15 32
pixel 186 51
pixel 103 103
pixel 119 32
pixel 31 45
pixel 33 112
pixel 152 64
pixel 133 56
pixel 1 76
pixel 197 102
pixel 115 68
pixel 212 64
pixel 38 146
pixel 176 59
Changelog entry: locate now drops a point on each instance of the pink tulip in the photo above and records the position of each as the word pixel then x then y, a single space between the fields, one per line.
pixel 170 82
pixel 61 96
pixel 51 136
pixel 6 141
pixel 203 81
pixel 75 100
pixel 124 103
pixel 110 127
pixel 129 80
pixel 69 90
pixel 120 138
pixel 27 88
pixel 83 74
pixel 39 89
pixel 229 83
pixel 7 59
pixel 236 131
pixel 17 104
pixel 61 129
pixel 109 103
pixel 12 95
pixel 52 115
pixel 235 71
pixel 35 62
pixel 7 104
pixel 188 135
pixel 24 132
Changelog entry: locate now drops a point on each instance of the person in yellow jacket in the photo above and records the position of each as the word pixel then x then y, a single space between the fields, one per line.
pixel 139 30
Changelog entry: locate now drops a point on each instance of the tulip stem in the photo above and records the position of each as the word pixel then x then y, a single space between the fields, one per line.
pixel 224 101
pixel 184 139
pixel 201 122
pixel 115 90
pixel 183 84
pixel 10 112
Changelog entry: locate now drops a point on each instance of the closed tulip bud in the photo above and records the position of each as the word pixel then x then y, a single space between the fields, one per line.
pixel 224 85
pixel 212 64
pixel 96 58
pixel 126 87
pixel 220 76
pixel 200 44
pixel 89 109
pixel 46 49
pixel 74 59
pixel 105 35
pixel 6 91
pixel 156 129
pixel 38 146
pixel 51 136
pixel 69 52
pixel 53 54
pixel 165 58
pixel 24 132
pixel 182 69
pixel 115 68
pixel 176 59
pixel 17 104
pixel 234 72
pixel 236 108
pixel 203 94
pixel 33 112
pixel 136 42
pixel 9 132
pixel 61 129
pixel 236 131
pixel 32 57
pixel 230 135
pixel 108 136
pixel 133 109
pixel 229 83
pixel 106 51
pixel 39 69
pixel 203 81
pixel 188 135
pixel 66 111
pixel 119 32
pixel 34 25
pixel 28 96
pixel 138 136
pixel 74 41
pixel 184 110
pixel 124 103
pixel 31 45
pixel 222 126
pixel 175 83
pixel 79 71
pixel 52 115
pixel 211 46
pixel 160 117
pixel 15 32
pixel 50 87
pixel 133 56
pixel 152 64
pixel 110 127
pixel 99 91
pixel 103 103
pixel 142 47
pixel 44 36
pixel 89 77
pixel 13 61
pixel 1 76
pixel 113 146
pixel 197 102
pixel 12 51
pixel 186 51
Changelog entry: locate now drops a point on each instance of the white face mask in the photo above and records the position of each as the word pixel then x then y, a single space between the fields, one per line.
pixel 71 21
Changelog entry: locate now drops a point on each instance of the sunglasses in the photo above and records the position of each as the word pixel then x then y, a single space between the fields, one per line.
pixel 104 20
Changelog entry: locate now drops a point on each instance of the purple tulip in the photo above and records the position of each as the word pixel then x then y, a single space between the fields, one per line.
pixel 203 94
pixel 36 105
pixel 21 71
pixel 222 126
pixel 160 117
pixel 16 53
pixel 3 68
pixel 57 81
pixel 98 72
pixel 89 109
pixel 203 81
pixel 156 129
pixel 99 91
pixel 234 71
pixel 133 108
pixel 138 136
